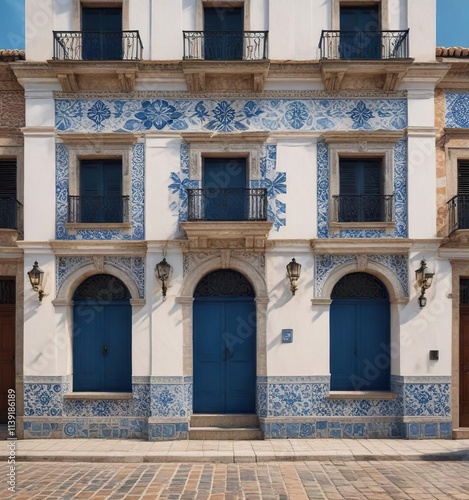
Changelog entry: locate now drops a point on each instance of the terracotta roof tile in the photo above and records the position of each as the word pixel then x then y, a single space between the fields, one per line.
pixel 8 55
pixel 452 52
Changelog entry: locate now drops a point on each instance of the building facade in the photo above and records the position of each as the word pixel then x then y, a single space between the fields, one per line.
pixel 227 139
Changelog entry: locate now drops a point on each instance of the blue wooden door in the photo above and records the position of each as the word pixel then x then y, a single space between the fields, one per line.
pixel 102 333
pixel 102 33
pixel 359 334
pixel 223 33
pixel 224 182
pixel 360 32
pixel 224 346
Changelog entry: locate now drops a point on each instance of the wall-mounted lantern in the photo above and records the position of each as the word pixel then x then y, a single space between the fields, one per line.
pixel 164 272
pixel 424 282
pixel 293 273
pixel 36 277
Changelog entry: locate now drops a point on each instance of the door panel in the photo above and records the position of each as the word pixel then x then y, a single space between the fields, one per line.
pixel 359 349
pixel 102 347
pixel 224 355
pixel 464 368
pixel 7 357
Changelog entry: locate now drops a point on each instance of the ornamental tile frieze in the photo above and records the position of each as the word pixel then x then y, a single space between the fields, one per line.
pixel 457 109
pixel 108 115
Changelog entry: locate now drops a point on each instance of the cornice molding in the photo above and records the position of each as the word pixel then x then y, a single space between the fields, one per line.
pixel 87 247
pixel 340 246
pixel 215 137
pixel 121 138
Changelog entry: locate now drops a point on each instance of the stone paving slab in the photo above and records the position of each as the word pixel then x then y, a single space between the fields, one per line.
pixel 332 479
pixel 133 451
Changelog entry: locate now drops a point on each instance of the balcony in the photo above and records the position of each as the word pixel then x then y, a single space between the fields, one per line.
pixel 225 60
pixel 98 210
pixel 225 45
pixel 379 59
pixel 97 46
pixel 363 208
pixel 213 204
pixel 364 44
pixel 458 213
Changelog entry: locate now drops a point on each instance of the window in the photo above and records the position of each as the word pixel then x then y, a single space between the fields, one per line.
pixel 100 197
pixel 102 33
pixel 223 33
pixel 360 32
pixel 463 194
pixel 9 206
pixel 360 198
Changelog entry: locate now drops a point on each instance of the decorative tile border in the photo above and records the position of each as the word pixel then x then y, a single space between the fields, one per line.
pixel 233 115
pixel 400 196
pixel 325 264
pixel 137 199
pixel 133 266
pixel 457 109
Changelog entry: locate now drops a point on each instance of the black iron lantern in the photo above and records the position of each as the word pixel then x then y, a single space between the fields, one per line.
pixel 36 276
pixel 293 273
pixel 424 282
pixel 164 271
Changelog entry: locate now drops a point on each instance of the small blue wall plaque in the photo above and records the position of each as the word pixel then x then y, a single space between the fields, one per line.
pixel 287 336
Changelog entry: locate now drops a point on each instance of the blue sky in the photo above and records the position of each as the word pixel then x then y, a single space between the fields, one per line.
pixel 452 24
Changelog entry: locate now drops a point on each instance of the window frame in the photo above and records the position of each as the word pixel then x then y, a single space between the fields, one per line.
pixel 361 145
pixel 99 147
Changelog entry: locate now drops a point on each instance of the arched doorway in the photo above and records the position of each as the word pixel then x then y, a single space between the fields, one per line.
pixel 102 336
pixel 360 334
pixel 224 326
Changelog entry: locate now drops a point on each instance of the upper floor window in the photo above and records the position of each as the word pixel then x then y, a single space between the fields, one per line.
pixel 102 33
pixel 10 208
pixel 223 29
pixel 361 190
pixel 100 199
pixel 360 32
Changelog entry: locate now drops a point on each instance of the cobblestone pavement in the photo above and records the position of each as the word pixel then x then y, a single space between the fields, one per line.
pixel 281 480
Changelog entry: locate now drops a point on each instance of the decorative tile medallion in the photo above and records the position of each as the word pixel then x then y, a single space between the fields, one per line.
pixel 457 109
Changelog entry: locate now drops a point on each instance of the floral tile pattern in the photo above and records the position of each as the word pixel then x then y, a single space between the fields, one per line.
pixel 400 196
pixel 398 264
pixel 427 400
pixel 137 199
pixel 133 266
pixel 168 400
pixel 42 400
pixel 457 109
pixel 109 115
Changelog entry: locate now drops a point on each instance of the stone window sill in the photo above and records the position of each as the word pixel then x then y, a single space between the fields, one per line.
pixel 388 226
pixel 98 395
pixel 73 227
pixel 370 395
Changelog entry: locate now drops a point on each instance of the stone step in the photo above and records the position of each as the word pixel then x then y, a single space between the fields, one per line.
pixel 461 433
pixel 225 420
pixel 223 433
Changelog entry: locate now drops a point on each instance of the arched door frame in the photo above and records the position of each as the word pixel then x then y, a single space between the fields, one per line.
pixel 186 299
pixel 64 304
pixel 397 298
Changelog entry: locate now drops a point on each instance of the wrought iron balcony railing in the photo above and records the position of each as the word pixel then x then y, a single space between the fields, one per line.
pixel 458 213
pixel 363 208
pixel 225 45
pixel 11 214
pixel 364 44
pixel 97 46
pixel 214 204
pixel 98 209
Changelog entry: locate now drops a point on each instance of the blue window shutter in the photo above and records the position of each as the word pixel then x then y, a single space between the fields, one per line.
pixel 463 178
pixel 8 178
